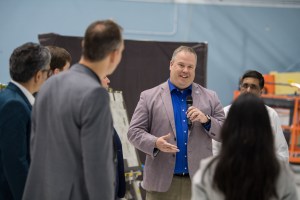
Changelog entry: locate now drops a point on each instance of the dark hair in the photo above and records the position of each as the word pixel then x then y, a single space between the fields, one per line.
pixel 247 167
pixel 101 38
pixel 59 57
pixel 27 60
pixel 254 74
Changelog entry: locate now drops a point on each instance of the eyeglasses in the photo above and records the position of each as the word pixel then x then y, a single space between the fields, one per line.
pixel 245 86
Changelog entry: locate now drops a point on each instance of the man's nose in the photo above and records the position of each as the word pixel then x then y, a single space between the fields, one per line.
pixel 185 69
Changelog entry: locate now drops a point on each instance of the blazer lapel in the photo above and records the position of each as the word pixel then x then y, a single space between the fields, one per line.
pixel 168 106
pixel 196 97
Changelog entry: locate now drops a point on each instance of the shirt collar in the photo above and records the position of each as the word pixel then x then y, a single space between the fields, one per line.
pixel 173 87
pixel 28 95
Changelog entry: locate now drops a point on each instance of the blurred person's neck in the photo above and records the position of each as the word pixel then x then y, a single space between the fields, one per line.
pixel 99 67
pixel 30 86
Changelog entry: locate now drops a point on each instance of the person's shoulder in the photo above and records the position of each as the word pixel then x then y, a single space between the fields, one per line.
pixel 206 161
pixel 271 111
pixel 11 96
pixel 206 165
pixel 156 88
pixel 14 105
pixel 203 89
pixel 226 108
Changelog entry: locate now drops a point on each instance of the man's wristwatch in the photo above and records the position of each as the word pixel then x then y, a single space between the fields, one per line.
pixel 208 120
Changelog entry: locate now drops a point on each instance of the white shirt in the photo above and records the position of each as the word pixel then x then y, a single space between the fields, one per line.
pixel 281 146
pixel 28 95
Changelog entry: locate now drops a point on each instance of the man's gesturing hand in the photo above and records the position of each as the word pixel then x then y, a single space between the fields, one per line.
pixel 163 145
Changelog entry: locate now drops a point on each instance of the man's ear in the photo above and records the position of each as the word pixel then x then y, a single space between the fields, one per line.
pixel 171 63
pixel 262 91
pixel 56 71
pixel 38 76
pixel 112 56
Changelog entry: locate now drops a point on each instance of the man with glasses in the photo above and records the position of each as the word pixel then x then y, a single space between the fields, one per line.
pixel 253 82
pixel 28 69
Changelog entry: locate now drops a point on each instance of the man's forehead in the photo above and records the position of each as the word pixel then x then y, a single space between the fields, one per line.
pixel 251 80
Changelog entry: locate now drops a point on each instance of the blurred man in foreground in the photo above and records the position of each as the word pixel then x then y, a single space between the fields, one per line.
pixel 72 127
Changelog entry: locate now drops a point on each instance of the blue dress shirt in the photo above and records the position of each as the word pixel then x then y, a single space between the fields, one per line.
pixel 180 107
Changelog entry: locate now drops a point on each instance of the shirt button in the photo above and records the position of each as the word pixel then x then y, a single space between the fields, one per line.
pixel 184 131
pixel 184 120
pixel 184 143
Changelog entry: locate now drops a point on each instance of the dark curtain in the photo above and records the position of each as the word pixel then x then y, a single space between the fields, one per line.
pixel 144 65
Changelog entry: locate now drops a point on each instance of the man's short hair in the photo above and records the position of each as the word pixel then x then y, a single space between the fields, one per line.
pixel 185 49
pixel 254 74
pixel 26 60
pixel 101 38
pixel 59 57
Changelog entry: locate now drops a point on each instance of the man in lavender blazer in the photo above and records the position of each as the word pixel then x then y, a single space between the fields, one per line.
pixel 159 127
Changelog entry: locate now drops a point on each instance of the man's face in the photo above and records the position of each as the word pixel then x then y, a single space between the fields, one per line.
pixel 182 69
pixel 251 85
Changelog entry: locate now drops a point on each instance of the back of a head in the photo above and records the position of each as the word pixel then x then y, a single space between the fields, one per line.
pixel 247 119
pixel 101 38
pixel 27 60
pixel 59 57
pixel 247 167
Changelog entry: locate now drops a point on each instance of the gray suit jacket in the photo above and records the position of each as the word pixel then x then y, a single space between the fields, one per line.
pixel 154 117
pixel 71 139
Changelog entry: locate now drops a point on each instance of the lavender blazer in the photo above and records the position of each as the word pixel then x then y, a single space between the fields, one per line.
pixel 154 117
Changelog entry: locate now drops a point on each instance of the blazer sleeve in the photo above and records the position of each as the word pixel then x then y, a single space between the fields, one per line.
pixel 217 117
pixel 138 133
pixel 96 135
pixel 14 143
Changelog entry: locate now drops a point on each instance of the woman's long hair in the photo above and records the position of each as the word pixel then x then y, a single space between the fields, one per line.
pixel 247 168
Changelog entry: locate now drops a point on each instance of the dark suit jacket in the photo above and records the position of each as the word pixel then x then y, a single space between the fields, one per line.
pixel 71 144
pixel 15 111
pixel 120 177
